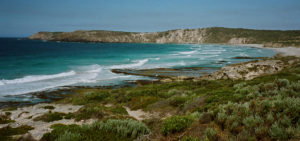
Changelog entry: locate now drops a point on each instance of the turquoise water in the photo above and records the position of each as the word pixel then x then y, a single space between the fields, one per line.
pixel 29 66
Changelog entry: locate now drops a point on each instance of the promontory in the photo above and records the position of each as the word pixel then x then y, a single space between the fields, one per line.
pixel 213 35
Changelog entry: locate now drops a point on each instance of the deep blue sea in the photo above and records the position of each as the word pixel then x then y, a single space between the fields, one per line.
pixel 29 66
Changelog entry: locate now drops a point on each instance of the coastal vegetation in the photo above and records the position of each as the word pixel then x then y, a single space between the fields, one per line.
pixel 52 116
pixel 6 133
pixel 262 108
pixel 4 118
pixel 215 35
pixel 110 130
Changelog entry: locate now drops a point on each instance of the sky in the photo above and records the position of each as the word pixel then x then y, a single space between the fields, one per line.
pixel 22 18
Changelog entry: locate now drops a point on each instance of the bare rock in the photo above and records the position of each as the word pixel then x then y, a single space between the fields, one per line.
pixel 166 80
pixel 247 70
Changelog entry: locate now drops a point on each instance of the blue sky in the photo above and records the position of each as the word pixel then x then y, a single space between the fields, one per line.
pixel 21 18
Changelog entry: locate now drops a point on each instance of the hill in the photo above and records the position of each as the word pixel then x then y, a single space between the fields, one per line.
pixel 213 35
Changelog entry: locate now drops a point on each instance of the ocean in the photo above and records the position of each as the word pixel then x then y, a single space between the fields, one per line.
pixel 28 66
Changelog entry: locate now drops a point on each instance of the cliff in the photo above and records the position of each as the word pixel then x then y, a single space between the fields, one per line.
pixel 214 35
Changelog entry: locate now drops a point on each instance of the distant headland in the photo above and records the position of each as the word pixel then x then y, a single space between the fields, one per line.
pixel 213 35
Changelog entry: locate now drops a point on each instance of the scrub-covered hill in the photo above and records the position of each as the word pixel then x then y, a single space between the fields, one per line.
pixel 218 35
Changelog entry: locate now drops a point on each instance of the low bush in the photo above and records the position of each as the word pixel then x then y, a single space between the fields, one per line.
pixel 270 110
pixel 118 110
pixel 90 111
pixel 178 100
pixel 10 109
pixel 142 102
pixel 176 124
pixel 110 130
pixel 5 118
pixel 124 128
pixel 96 96
pixel 7 132
pixel 211 134
pixel 49 117
pixel 189 138
pixel 49 107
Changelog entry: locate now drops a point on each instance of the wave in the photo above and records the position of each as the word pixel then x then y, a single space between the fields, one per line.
pixel 208 56
pixel 211 53
pixel 188 52
pixel 134 65
pixel 81 75
pixel 215 50
pixel 244 54
pixel 33 78
pixel 155 58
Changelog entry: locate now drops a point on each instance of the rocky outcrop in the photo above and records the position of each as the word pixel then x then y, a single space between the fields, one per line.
pixel 197 36
pixel 247 71
pixel 239 41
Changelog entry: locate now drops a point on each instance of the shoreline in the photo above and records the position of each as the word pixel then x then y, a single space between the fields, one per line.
pixel 29 115
pixel 285 51
pixel 65 91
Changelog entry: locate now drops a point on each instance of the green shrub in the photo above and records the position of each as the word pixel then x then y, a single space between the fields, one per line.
pixel 7 132
pixel 10 109
pixel 69 136
pixel 270 117
pixel 276 132
pixel 211 134
pixel 49 117
pixel 176 124
pixel 270 111
pixel 90 111
pixel 178 100
pixel 124 128
pixel 142 102
pixel 261 132
pixel 69 116
pixel 99 96
pixel 251 122
pixel 239 85
pixel 5 119
pixel 118 110
pixel 89 132
pixel 59 130
pixel 189 138
pixel 173 92
pixel 49 107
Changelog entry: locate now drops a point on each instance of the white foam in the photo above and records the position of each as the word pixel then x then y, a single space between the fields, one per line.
pixel 208 52
pixel 244 54
pixel 188 52
pixel 78 76
pixel 155 58
pixel 33 78
pixel 134 65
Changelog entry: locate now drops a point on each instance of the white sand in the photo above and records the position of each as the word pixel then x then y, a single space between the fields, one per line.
pixel 288 51
pixel 285 51
pixel 138 114
pixel 25 116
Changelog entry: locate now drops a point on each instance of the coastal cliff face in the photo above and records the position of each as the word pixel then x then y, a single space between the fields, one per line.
pixel 217 35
